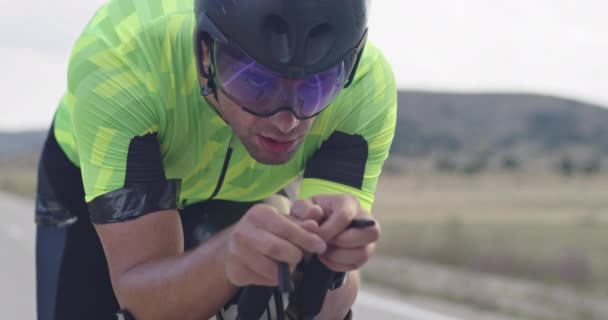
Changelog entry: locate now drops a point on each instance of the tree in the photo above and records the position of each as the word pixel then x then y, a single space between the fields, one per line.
pixel 566 166
pixel 476 166
pixel 445 164
pixel 510 163
pixel 591 166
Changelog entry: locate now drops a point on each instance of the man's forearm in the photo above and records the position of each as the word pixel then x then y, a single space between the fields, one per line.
pixel 191 285
pixel 338 302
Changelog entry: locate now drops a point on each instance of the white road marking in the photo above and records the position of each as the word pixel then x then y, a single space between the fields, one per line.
pixel 13 231
pixel 398 308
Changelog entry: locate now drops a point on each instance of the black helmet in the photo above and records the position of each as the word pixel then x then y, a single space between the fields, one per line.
pixel 291 37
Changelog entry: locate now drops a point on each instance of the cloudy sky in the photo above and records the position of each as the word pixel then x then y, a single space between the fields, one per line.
pixel 557 47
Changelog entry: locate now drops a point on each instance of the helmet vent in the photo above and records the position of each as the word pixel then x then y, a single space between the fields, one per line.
pixel 320 40
pixel 320 30
pixel 278 31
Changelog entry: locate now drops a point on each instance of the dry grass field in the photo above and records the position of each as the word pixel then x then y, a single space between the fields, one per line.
pixel 18 178
pixel 512 238
pixel 541 227
pixel 547 228
pixel 539 242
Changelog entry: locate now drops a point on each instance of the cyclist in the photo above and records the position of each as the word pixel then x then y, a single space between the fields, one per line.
pixel 179 119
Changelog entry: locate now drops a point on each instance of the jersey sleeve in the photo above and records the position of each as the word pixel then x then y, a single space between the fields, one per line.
pixel 116 128
pixel 350 159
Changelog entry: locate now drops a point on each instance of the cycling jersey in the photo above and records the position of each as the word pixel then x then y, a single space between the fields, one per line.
pixel 135 124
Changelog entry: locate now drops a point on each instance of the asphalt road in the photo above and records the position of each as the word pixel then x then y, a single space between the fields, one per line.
pixel 17 284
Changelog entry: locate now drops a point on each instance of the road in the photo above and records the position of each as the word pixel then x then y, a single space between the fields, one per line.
pixel 17 285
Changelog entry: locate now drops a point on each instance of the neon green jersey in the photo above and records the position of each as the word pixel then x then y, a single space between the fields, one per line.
pixel 133 78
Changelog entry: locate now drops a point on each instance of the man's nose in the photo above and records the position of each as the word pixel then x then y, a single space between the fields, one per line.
pixel 285 121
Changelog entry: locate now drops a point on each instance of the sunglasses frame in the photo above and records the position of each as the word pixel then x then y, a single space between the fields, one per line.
pixel 206 26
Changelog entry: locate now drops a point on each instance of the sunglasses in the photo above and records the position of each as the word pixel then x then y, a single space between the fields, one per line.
pixel 263 92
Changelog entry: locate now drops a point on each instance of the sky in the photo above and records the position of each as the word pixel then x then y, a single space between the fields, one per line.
pixel 555 47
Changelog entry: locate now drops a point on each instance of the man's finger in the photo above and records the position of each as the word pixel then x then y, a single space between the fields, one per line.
pixel 264 242
pixel 337 267
pixel 282 227
pixel 306 210
pixel 278 249
pixel 340 211
pixel 354 238
pixel 308 225
pixel 349 257
pixel 262 266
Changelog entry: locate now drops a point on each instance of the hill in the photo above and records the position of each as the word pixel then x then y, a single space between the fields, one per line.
pixel 474 123
pixel 463 131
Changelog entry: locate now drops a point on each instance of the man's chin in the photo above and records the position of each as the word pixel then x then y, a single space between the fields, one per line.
pixel 271 158
pixel 268 158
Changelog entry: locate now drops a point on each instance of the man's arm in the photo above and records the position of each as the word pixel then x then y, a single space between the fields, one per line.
pixel 154 279
pixel 347 164
pixel 338 302
pixel 152 276
pixel 348 248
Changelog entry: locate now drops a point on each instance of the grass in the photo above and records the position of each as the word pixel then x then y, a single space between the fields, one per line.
pixel 509 296
pixel 541 227
pixel 573 255
pixel 549 229
pixel 18 173
pixel 544 228
pixel 19 179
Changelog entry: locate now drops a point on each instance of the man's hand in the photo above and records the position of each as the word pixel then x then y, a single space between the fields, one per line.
pixel 348 249
pixel 262 238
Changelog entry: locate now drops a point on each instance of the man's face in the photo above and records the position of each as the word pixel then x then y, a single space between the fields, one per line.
pixel 272 140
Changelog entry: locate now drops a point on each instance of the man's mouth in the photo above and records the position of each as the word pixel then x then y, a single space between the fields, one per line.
pixel 276 145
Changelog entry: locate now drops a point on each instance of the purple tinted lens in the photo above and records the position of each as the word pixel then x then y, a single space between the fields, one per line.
pixel 263 91
pixel 318 91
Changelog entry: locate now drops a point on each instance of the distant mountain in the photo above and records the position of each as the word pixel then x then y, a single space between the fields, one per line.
pixel 513 127
pixel 21 145
pixel 448 123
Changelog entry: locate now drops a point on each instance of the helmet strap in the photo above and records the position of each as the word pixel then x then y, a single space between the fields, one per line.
pixel 209 75
pixel 354 71
pixel 205 90
pixel 211 80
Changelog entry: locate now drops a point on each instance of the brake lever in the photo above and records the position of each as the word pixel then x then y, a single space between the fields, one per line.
pixel 317 280
pixel 285 284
